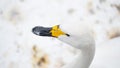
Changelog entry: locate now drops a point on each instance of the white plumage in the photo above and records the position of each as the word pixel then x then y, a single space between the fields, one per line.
pixel 82 38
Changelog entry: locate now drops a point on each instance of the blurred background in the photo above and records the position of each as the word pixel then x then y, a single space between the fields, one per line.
pixel 20 48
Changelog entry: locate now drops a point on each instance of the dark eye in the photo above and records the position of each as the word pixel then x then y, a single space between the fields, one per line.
pixel 67 35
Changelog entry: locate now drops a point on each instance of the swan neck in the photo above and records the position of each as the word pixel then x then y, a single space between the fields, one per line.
pixel 83 59
pixel 87 56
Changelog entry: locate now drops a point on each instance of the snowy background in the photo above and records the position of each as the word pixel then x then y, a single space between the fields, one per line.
pixel 20 48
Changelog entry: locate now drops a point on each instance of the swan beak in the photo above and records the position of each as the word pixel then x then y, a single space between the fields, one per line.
pixel 54 31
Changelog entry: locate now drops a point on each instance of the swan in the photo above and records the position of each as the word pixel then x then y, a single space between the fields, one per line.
pixel 81 37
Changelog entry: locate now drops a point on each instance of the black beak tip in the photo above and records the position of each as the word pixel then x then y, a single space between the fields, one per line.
pixel 41 31
pixel 36 30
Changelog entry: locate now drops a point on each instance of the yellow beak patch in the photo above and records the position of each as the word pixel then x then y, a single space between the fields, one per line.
pixel 56 31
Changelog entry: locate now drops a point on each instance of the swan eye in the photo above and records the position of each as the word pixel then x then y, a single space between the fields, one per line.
pixel 54 31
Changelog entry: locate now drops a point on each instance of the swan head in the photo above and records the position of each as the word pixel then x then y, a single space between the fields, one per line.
pixel 54 31
pixel 65 35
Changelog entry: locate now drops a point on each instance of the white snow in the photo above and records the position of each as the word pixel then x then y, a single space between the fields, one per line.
pixel 18 45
